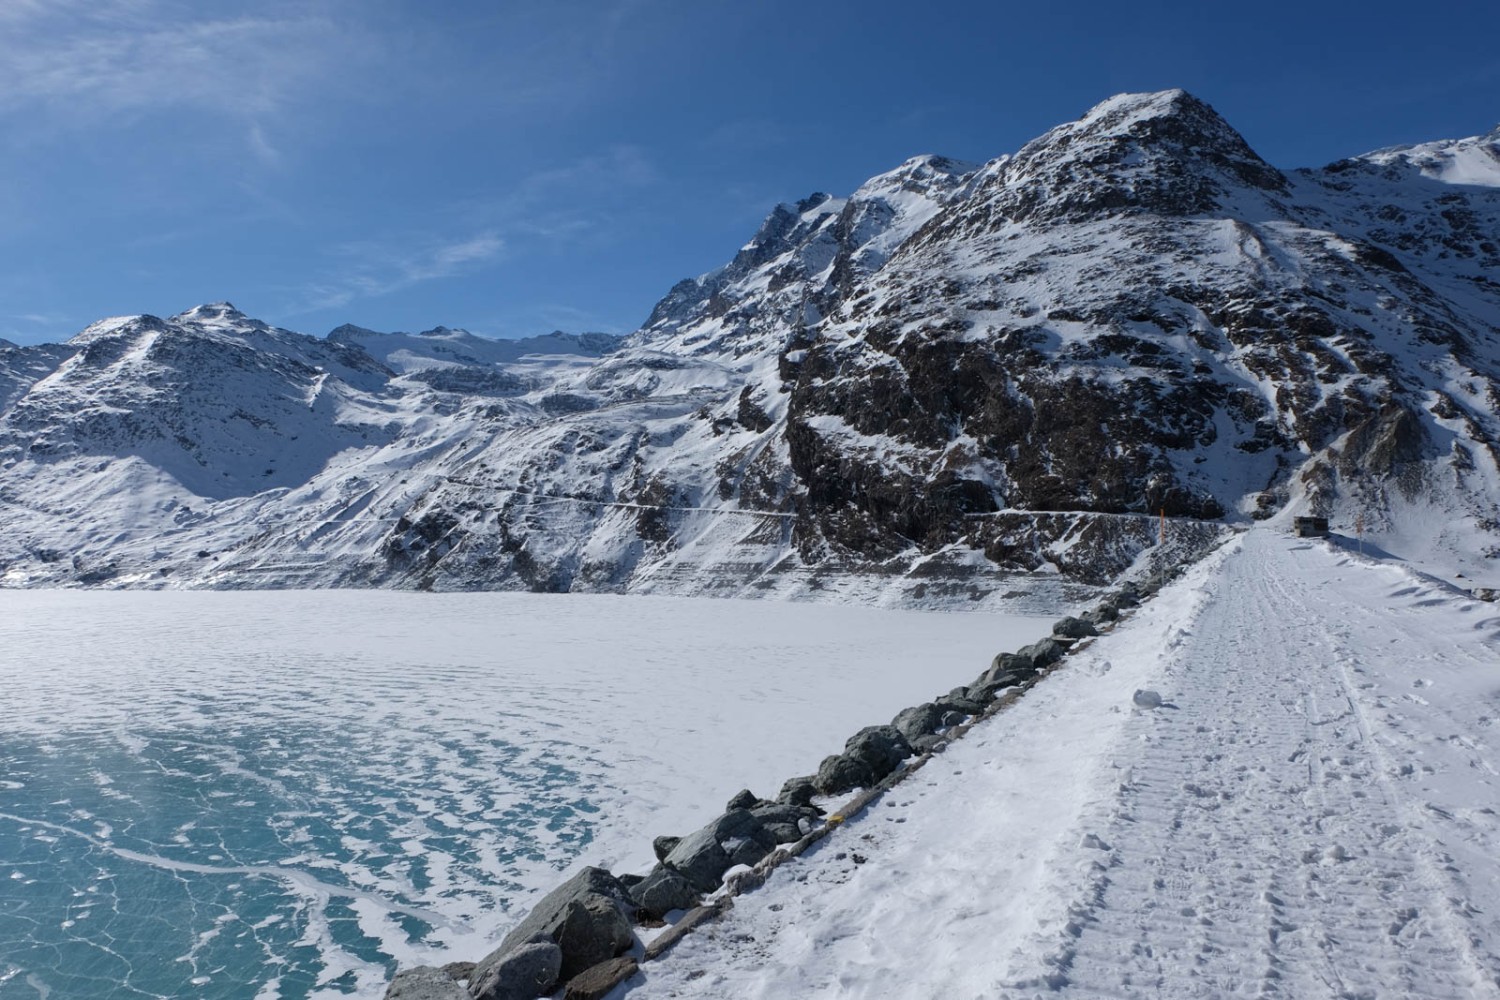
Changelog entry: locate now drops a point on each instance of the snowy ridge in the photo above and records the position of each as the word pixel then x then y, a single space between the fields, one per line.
pixel 960 381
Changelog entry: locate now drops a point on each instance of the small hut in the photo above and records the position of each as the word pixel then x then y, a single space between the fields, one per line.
pixel 1311 527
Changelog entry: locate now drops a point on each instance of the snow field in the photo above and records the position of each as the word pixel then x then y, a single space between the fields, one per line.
pixel 1317 817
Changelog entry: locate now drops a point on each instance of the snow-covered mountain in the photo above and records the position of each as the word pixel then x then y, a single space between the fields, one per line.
pixel 956 374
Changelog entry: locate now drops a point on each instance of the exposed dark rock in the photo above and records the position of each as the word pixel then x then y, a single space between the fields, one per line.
pixel 585 917
pixel 459 970
pixel 919 720
pixel 1100 615
pixel 596 982
pixel 785 822
pixel 425 983
pixel 958 700
pixel 664 890
pixel 662 846
pixel 700 859
pixel 798 791
pixel 1043 653
pixel 1074 628
pixel 735 838
pixel 743 799
pixel 529 971
pixel 930 743
pixel 840 773
pixel 881 748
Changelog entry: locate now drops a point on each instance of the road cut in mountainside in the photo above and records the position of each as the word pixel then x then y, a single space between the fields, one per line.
pixel 1313 810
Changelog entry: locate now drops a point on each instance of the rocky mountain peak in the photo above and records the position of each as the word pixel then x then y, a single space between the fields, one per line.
pixel 1166 153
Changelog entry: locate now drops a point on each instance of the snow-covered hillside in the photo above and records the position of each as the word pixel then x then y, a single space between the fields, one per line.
pixel 959 382
pixel 1312 813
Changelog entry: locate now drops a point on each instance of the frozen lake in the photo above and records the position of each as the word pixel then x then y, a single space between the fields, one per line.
pixel 281 794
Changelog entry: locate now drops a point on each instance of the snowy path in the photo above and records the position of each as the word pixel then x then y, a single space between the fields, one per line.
pixel 1318 818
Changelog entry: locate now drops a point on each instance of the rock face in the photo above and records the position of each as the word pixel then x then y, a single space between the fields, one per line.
pixel 425 983
pixel 585 918
pixel 527 972
pixel 956 374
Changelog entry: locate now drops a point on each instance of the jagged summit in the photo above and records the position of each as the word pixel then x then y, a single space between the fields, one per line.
pixel 1167 153
pixel 210 312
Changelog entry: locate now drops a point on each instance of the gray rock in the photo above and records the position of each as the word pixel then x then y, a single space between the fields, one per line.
pixel 1146 699
pixel 882 748
pixel 664 890
pixel 743 799
pixel 958 700
pixel 662 846
pixel 919 720
pixel 841 773
pixel 735 838
pixel 699 859
pixel 1010 661
pixel 928 744
pixel 985 690
pixel 1103 613
pixel 596 982
pixel 425 983
pixel 530 971
pixel 630 881
pixel 1074 628
pixel 748 849
pixel 585 917
pixel 1043 653
pixel 798 791
pixel 459 970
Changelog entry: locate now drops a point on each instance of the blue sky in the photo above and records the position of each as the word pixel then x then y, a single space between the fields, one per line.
pixel 518 166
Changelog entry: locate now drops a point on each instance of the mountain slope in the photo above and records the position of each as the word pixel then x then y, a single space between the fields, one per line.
pixel 960 381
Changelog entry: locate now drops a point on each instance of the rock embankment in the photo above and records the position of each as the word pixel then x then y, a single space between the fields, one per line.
pixel 580 938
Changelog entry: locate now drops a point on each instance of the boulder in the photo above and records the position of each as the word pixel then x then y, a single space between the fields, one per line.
pixel 929 744
pixel 743 799
pixel 798 791
pixel 958 700
pixel 699 859
pixel 749 850
pixel 785 822
pixel 1043 653
pixel 529 971
pixel 882 748
pixel 459 970
pixel 984 691
pixel 585 917
pixel 1006 670
pixel 1074 628
pixel 425 983
pixel 630 881
pixel 663 891
pixel 919 720
pixel 662 846
pixel 1009 662
pixel 1103 613
pixel 735 838
pixel 595 983
pixel 841 773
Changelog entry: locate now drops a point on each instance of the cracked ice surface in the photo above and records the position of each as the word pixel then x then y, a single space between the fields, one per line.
pixel 284 794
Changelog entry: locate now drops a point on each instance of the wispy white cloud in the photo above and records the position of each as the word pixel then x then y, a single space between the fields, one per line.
pixel 86 64
pixel 371 269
